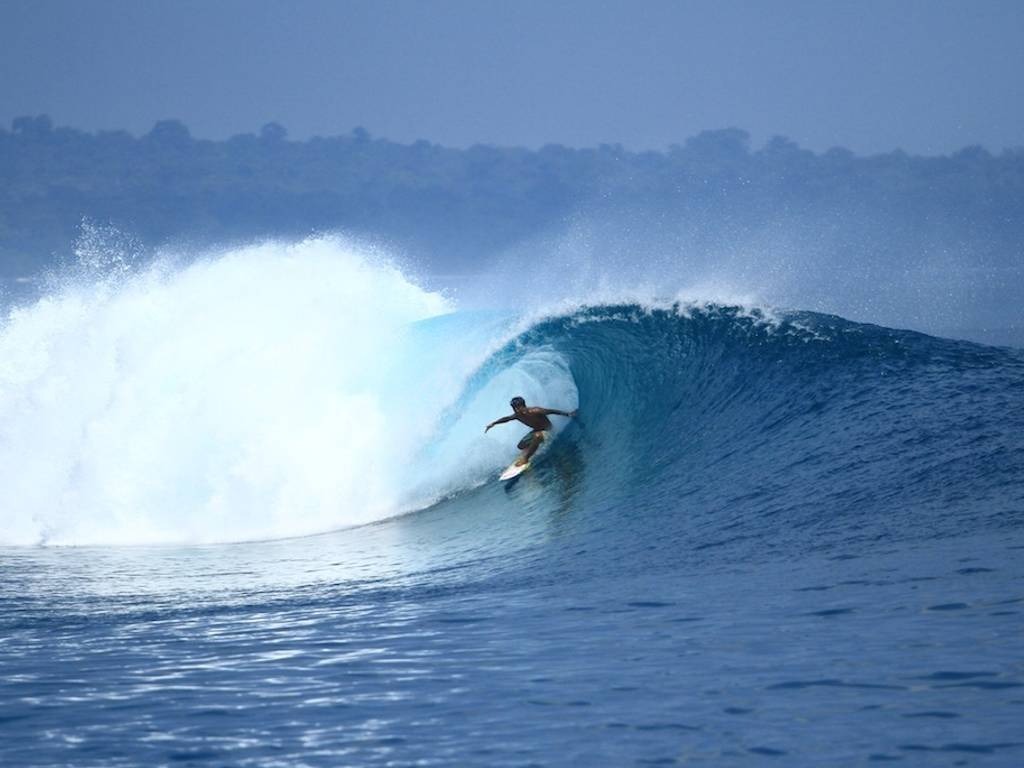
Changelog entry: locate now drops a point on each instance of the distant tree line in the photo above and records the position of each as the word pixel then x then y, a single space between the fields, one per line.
pixel 456 204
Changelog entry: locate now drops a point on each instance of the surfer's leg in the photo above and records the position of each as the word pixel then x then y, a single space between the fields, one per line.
pixel 536 438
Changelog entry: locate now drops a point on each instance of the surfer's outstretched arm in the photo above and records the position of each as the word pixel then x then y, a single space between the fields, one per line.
pixel 502 420
pixel 556 412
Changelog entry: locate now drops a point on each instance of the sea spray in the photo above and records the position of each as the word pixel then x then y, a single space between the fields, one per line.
pixel 267 391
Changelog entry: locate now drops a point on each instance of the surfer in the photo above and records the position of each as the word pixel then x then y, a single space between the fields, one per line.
pixel 536 419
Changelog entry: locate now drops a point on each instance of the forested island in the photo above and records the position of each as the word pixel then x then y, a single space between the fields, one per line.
pixel 454 205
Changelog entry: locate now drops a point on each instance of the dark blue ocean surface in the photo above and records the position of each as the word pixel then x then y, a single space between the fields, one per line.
pixel 790 541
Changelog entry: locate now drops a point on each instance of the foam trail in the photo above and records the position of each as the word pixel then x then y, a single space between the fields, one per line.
pixel 274 390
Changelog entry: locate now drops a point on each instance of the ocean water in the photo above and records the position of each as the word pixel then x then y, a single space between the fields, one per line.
pixel 250 517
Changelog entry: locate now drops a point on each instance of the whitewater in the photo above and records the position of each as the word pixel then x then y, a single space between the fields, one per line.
pixel 277 390
pixel 250 516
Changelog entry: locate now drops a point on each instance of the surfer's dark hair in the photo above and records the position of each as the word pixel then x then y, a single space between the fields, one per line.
pixel 517 400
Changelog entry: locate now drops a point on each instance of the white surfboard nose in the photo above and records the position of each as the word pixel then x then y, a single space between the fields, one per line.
pixel 514 470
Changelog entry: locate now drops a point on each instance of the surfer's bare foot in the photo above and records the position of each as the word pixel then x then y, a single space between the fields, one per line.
pixel 520 461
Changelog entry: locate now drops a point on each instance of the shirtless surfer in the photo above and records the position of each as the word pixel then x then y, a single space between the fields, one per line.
pixel 538 422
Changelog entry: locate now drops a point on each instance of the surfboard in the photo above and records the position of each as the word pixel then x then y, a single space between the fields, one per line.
pixel 514 470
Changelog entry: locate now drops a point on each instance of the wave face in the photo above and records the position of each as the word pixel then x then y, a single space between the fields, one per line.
pixel 284 390
pixel 717 426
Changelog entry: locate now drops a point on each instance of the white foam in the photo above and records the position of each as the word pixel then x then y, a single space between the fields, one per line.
pixel 268 391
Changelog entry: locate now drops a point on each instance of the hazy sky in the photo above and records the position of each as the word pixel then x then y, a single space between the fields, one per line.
pixel 928 76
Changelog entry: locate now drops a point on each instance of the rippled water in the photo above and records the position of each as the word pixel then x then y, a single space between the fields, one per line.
pixel 835 659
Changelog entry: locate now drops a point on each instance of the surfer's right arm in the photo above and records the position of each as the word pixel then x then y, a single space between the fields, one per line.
pixel 502 420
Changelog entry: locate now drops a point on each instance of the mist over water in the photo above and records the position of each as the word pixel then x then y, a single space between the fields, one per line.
pixel 955 287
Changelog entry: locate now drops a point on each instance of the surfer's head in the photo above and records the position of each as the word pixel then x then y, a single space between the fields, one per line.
pixel 517 403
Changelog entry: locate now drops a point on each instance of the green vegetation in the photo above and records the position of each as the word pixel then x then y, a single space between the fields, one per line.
pixel 454 205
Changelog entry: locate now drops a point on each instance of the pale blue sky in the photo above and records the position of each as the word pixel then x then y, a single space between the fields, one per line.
pixel 926 76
